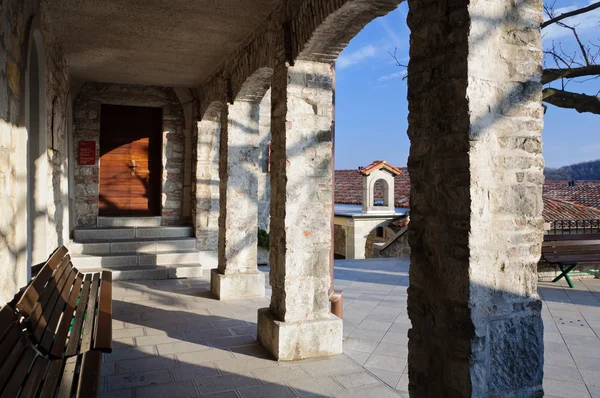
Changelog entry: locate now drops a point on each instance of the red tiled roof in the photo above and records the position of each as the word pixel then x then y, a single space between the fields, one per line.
pixel 561 202
pixel 557 209
pixel 585 192
pixel 380 164
pixel 348 187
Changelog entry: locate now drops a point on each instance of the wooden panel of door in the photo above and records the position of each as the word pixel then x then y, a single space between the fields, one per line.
pixel 130 161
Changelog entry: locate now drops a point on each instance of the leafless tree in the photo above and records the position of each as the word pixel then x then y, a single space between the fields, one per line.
pixel 563 69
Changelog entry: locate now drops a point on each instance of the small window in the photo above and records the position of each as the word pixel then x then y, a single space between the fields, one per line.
pixel 379 232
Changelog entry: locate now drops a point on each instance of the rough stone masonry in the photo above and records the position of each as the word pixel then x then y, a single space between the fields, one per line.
pixel 476 198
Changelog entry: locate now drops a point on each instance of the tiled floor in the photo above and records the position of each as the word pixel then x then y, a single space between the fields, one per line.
pixel 173 339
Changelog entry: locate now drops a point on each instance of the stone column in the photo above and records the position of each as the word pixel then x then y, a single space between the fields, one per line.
pixel 476 170
pixel 298 324
pixel 237 275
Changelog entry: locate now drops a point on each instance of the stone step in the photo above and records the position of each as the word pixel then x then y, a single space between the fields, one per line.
pixel 133 246
pixel 132 233
pixel 135 259
pixel 150 272
pixel 113 222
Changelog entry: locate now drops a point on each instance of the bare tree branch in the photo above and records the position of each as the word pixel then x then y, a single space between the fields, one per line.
pixel 582 103
pixel 394 55
pixel 573 13
pixel 551 74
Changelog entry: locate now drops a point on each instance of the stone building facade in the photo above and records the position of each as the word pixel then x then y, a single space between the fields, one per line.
pixel 87 120
pixel 35 102
pixel 476 179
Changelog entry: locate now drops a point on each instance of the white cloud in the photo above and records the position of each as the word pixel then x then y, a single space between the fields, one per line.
pixel 356 57
pixel 589 21
pixel 392 76
pixel 392 36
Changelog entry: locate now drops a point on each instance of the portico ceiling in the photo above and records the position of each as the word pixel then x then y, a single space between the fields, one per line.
pixel 154 42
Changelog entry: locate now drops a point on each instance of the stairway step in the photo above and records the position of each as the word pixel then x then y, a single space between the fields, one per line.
pixel 136 259
pixel 150 272
pixel 132 233
pixel 129 221
pixel 133 246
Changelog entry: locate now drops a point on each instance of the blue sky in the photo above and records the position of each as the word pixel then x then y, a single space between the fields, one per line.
pixel 371 105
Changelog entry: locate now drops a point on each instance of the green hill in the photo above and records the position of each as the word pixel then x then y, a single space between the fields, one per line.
pixel 580 171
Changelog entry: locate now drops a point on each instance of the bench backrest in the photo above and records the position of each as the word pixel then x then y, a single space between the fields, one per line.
pixel 67 312
pixel 571 245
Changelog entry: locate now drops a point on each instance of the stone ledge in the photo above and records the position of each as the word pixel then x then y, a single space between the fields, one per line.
pixel 237 286
pixel 293 341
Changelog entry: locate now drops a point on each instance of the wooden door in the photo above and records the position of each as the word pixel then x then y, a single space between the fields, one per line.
pixel 130 161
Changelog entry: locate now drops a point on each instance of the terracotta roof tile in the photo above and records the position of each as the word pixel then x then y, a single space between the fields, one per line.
pixel 557 209
pixel 380 164
pixel 585 192
pixel 561 202
pixel 348 187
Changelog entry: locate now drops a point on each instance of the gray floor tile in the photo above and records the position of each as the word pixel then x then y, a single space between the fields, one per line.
pixel 354 380
pixel 357 356
pixel 194 372
pixel 320 386
pixel 384 362
pixel 137 379
pixel 361 345
pixel 565 389
pixel 178 389
pixel 227 382
pixel 267 391
pixel 388 377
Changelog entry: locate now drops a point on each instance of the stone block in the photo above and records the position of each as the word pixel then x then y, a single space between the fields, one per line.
pixel 237 286
pixel 292 341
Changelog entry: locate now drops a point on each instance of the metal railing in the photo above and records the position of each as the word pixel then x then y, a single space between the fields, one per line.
pixel 576 226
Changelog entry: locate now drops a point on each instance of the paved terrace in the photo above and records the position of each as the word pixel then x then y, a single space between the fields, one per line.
pixel 173 339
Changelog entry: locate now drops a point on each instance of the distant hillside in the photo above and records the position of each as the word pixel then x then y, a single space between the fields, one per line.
pixel 580 171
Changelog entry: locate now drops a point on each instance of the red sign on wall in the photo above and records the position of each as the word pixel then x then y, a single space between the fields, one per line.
pixel 86 153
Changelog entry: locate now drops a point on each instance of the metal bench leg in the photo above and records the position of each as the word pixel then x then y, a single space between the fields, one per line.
pixel 565 274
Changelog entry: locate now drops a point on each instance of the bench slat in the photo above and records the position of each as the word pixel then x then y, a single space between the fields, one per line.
pixel 63 329
pixel 35 288
pixel 46 295
pixel 79 316
pixel 90 315
pixel 68 376
pixel 89 375
pixel 10 361
pixel 52 378
pixel 54 301
pixel 11 338
pixel 34 378
pixel 7 317
pixel 59 308
pixel 16 379
pixel 103 335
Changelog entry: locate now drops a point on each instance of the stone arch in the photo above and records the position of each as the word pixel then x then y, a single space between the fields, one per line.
pixel 206 208
pixel 255 86
pixel 32 158
pixel 380 234
pixel 321 37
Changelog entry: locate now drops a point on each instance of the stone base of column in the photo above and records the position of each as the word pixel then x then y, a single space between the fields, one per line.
pixel 237 286
pixel 292 341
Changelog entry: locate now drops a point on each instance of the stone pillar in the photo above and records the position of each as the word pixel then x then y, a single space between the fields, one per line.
pixel 476 170
pixel 298 324
pixel 207 183
pixel 237 275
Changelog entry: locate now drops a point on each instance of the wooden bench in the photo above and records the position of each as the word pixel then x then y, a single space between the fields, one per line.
pixel 570 250
pixel 53 334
